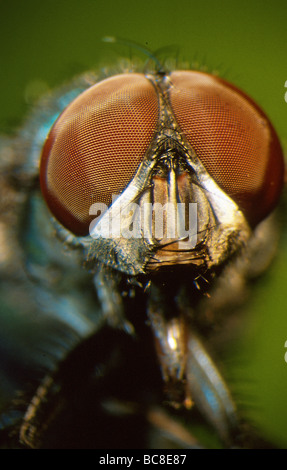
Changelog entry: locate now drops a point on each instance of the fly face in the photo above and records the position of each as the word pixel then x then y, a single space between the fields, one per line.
pixel 163 182
pixel 181 138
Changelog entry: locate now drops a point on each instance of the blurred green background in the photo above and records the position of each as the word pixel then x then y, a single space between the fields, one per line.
pixel 44 43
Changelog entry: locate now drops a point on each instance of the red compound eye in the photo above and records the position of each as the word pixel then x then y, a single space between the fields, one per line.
pixel 96 146
pixel 98 142
pixel 232 137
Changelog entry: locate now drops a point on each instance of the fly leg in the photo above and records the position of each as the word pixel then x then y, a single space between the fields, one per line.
pixel 209 390
pixel 106 283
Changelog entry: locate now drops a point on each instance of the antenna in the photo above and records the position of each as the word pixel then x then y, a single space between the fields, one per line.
pixel 135 45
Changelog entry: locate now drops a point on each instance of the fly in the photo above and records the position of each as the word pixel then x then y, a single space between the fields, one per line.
pixel 162 184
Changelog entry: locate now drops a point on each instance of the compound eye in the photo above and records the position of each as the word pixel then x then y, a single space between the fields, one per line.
pixel 96 146
pixel 233 138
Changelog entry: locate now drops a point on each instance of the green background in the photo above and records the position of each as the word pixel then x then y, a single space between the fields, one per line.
pixel 44 43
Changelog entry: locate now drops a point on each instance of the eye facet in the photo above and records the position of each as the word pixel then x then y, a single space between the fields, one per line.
pixel 233 138
pixel 96 146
